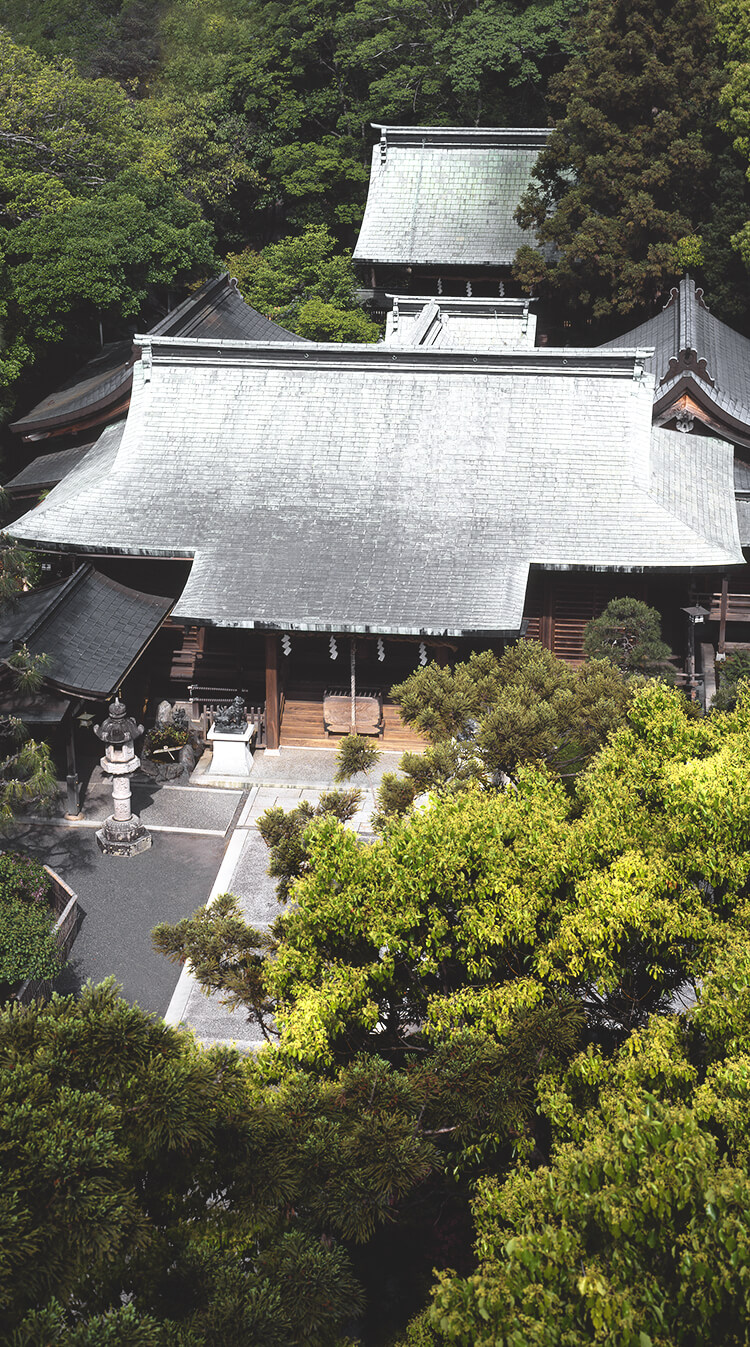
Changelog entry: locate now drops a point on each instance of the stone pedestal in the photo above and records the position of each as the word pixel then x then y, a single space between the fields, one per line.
pixel 231 753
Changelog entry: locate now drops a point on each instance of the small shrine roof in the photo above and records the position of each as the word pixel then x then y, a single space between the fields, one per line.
pixel 402 491
pixel 91 629
pixel 499 324
pixel 102 386
pixel 697 355
pixel 447 195
pixel 46 471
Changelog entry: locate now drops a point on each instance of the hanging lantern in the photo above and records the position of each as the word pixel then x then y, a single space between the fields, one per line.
pixel 422 653
pixel 286 644
pixel 333 649
pixel 381 649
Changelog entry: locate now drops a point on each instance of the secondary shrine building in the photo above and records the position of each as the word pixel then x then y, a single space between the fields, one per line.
pixel 295 509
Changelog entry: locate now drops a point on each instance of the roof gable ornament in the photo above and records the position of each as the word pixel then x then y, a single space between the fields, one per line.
pixel 684 420
pixel 687 361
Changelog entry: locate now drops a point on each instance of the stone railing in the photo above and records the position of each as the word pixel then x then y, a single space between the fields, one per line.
pixel 65 903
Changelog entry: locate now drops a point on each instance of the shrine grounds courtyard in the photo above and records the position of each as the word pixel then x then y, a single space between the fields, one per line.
pixel 205 842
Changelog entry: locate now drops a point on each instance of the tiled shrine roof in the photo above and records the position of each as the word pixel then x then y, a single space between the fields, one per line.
pixel 698 357
pixel 393 490
pixel 91 629
pixel 102 386
pixel 447 195
pixel 460 324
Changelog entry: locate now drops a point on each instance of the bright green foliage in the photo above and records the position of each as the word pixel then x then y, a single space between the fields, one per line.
pixel 91 218
pixel 471 940
pixel 284 833
pixel 355 754
pixel 628 634
pixel 479 903
pixel 487 716
pixel 303 284
pixel 440 701
pixel 627 173
pixel 637 1231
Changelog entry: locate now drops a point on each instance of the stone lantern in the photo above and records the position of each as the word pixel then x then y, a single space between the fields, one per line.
pixel 123 834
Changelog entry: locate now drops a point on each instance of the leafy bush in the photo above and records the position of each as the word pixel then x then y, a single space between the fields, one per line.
pixel 284 833
pixel 27 946
pixel 24 879
pixel 395 796
pixel 628 634
pixel 355 754
pixel 165 736
pixel 731 672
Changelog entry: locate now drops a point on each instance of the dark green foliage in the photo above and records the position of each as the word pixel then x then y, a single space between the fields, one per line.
pixel 113 38
pixel 135 1164
pixel 488 715
pixel 92 217
pixel 732 671
pixel 24 878
pixel 628 634
pixel 625 181
pixel 355 754
pixel 284 833
pixel 164 737
pixel 224 953
pixel 395 795
pixel 27 946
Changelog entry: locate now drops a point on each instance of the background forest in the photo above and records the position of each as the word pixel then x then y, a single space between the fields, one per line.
pixel 144 144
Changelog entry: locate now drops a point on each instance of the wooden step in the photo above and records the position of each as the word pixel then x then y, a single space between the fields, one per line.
pixel 302 727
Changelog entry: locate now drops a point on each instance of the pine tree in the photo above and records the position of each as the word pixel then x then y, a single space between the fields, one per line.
pixel 626 175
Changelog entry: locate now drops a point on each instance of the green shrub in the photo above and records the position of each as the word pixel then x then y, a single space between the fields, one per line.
pixel 283 833
pixel 23 879
pixel 355 754
pixel 27 945
pixel 628 634
pixel 396 794
pixel 731 672
pixel 343 804
pixel 164 736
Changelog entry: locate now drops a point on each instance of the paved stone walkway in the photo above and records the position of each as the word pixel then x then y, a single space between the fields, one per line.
pixel 244 872
pixel 206 842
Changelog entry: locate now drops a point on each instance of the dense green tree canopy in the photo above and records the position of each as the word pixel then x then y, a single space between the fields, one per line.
pixel 486 716
pixel 92 220
pixel 302 283
pixel 626 179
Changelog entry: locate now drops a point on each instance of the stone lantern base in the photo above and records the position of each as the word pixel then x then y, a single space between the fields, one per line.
pixel 123 837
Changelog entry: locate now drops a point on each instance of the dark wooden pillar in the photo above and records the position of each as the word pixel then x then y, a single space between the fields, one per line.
pixel 273 719
pixel 547 618
pixel 723 615
pixel 73 785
